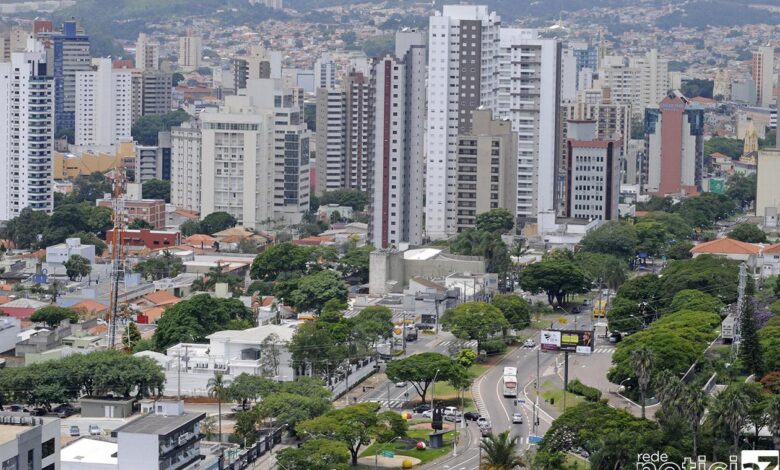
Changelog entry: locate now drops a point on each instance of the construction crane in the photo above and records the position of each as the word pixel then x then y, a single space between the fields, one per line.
pixel 117 251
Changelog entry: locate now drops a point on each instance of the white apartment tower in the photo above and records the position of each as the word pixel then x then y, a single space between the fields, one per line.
pixel 396 182
pixel 330 139
pixel 530 76
pixel 237 164
pixel 762 71
pixel 190 51
pixel 26 133
pixel 186 166
pixel 147 53
pixel 462 76
pixel 640 81
pixel 104 105
pixel 325 72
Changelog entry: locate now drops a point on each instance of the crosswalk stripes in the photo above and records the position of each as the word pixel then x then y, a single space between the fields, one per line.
pixel 464 344
pixel 603 350
pixel 386 403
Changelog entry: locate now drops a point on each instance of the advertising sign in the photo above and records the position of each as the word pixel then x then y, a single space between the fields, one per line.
pixel 567 341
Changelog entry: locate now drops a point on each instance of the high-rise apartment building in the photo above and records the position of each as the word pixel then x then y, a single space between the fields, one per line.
pixel 487 168
pixel 528 96
pixel 462 76
pixel 190 51
pixel 147 53
pixel 186 166
pixel 291 139
pixel 360 109
pixel 762 70
pixel 592 173
pixel 70 52
pixel 331 139
pixel 674 134
pixel 325 72
pixel 237 164
pixel 26 133
pixel 397 162
pixel 103 105
pixel 256 64
pixel 155 92
pixel 641 81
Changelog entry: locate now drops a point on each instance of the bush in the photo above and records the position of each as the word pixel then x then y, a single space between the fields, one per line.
pixel 493 346
pixel 578 388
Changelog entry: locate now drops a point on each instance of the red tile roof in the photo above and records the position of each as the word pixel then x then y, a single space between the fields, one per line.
pixel 162 297
pixel 727 246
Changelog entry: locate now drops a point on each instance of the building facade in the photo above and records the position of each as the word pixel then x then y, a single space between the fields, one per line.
pixel 186 166
pixel 190 51
pixel 26 133
pixel 762 70
pixel 103 105
pixel 487 169
pixel 29 442
pixel 331 139
pixel 674 133
pixel 325 72
pixel 359 116
pixel 147 53
pixel 396 178
pixel 70 49
pixel 462 76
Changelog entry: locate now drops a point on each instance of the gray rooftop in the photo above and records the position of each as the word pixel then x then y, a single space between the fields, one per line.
pixel 160 425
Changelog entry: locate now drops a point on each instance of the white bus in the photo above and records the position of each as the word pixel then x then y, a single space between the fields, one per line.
pixel 510 371
pixel 510 386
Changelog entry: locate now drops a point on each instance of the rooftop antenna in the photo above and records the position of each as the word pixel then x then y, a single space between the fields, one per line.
pixel 117 251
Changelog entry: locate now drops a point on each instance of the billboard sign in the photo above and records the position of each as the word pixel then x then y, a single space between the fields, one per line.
pixel 568 341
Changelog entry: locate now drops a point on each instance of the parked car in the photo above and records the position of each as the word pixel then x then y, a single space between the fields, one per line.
pixel 400 384
pixel 450 410
pixel 615 337
pixel 74 431
pixel 40 411
pixel 421 408
pixel 575 309
pixel 517 418
pixel 483 422
pixel 64 410
pixel 94 430
pixel 485 431
pixel 529 343
pixel 472 415
pixel 240 407
pixel 427 414
pixel 18 408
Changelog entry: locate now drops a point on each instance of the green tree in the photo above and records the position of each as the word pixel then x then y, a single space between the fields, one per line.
pixel 500 452
pixel 353 198
pixel 731 408
pixel 692 299
pixel 76 267
pixel 316 289
pixel 556 278
pixel 157 189
pixel 24 229
pixel 609 270
pixel 193 319
pixel 218 387
pixel 643 362
pixel 474 321
pixel 697 87
pixel 245 428
pixel 146 128
pixel 190 227
pixel 354 263
pixel 472 242
pixel 315 454
pixel 706 273
pixel 160 267
pixel 495 220
pixel 742 189
pixel 725 145
pixel 420 370
pixel 773 419
pixel 280 258
pixel 247 387
pixel 131 336
pixel 271 351
pixel 694 402
pixel 748 233
pixel 355 426
pixel 53 315
pixel 261 288
pixel 514 308
pixel 319 346
pixel 750 346
pixel 217 222
pixel 371 325
pixel 613 238
pixel 138 224
pixel 177 78
pixel 88 238
pixel 466 358
pixel 292 408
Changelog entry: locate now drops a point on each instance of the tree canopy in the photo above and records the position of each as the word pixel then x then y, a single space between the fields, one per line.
pixel 420 370
pixel 353 198
pixel 157 189
pixel 53 315
pixel 217 222
pixel 514 308
pixel 146 128
pixel 749 233
pixel 474 321
pixel 495 220
pixel 315 289
pixel 556 278
pixel 77 267
pixel 193 319
pixel 613 238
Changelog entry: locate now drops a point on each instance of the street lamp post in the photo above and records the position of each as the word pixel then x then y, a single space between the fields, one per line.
pixel 433 391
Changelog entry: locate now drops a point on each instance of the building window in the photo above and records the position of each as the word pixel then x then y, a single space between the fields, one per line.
pixel 47 448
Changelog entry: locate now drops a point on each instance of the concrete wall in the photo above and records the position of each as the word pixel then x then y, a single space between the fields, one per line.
pixel 97 408
pixel 389 272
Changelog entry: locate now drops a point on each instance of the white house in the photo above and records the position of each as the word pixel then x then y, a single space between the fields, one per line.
pixel 233 352
pixel 56 255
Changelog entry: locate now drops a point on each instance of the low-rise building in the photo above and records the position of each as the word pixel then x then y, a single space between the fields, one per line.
pixel 28 442
pixel 57 255
pixel 151 211
pixel 145 238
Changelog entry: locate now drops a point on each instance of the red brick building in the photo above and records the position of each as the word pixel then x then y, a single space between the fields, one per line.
pixel 146 238
pixel 150 210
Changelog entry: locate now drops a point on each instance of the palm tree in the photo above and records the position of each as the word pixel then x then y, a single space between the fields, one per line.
pixel 773 419
pixel 669 388
pixel 498 452
pixel 693 404
pixel 643 362
pixel 731 408
pixel 218 388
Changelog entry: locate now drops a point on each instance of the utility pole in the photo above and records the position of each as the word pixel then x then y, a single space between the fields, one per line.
pixel 738 316
pixel 536 398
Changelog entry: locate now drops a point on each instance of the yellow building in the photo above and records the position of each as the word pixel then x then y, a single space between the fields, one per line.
pixel 69 166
